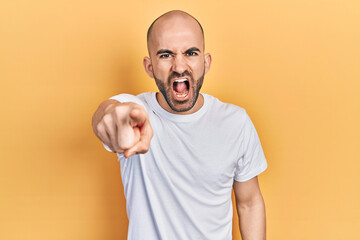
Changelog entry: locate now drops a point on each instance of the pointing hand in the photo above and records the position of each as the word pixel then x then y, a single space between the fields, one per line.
pixel 125 128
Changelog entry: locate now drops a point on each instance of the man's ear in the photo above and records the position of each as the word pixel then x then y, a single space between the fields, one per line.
pixel 207 62
pixel 148 67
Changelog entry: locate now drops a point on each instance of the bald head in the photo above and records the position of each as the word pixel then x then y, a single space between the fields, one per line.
pixel 177 61
pixel 175 20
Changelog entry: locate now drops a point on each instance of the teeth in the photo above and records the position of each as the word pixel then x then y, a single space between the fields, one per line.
pixel 182 95
pixel 181 80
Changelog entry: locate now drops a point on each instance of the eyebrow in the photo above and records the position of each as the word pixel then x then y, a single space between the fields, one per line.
pixel 193 49
pixel 162 51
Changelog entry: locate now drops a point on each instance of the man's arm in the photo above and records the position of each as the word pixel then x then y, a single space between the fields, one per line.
pixel 123 127
pixel 251 209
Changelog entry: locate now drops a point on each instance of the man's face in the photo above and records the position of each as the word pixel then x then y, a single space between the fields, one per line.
pixel 178 63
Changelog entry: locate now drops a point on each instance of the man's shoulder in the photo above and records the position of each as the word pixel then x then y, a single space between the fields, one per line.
pixel 217 105
pixel 126 97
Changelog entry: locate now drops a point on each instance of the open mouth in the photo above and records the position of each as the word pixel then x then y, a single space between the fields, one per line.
pixel 181 87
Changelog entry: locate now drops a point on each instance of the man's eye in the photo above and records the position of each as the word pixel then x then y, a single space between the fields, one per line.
pixel 165 56
pixel 191 53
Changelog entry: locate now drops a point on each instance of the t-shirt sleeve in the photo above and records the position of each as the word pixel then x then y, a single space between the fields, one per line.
pixel 126 98
pixel 251 161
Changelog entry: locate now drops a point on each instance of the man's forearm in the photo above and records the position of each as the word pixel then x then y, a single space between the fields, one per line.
pixel 252 220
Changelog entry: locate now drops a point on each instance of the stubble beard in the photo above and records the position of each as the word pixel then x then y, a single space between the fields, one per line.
pixel 166 91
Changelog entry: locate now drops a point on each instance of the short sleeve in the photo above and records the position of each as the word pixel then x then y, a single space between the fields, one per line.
pixel 126 98
pixel 251 161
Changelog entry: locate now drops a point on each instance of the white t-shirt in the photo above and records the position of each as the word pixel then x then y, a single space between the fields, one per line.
pixel 181 188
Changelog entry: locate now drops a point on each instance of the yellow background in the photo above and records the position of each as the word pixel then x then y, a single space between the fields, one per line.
pixel 294 65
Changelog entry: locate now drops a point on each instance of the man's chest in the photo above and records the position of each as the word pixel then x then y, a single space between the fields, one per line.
pixel 201 155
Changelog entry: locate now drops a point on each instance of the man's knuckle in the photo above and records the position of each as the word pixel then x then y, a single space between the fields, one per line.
pixel 100 128
pixel 119 111
pixel 108 120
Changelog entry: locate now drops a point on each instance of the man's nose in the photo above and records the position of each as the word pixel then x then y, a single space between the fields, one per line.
pixel 179 64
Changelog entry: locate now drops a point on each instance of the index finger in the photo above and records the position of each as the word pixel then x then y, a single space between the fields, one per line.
pixel 138 116
pixel 142 146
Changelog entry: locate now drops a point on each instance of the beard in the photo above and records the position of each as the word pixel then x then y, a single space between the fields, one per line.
pixel 166 90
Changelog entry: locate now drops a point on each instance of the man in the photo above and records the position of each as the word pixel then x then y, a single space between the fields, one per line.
pixel 182 152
